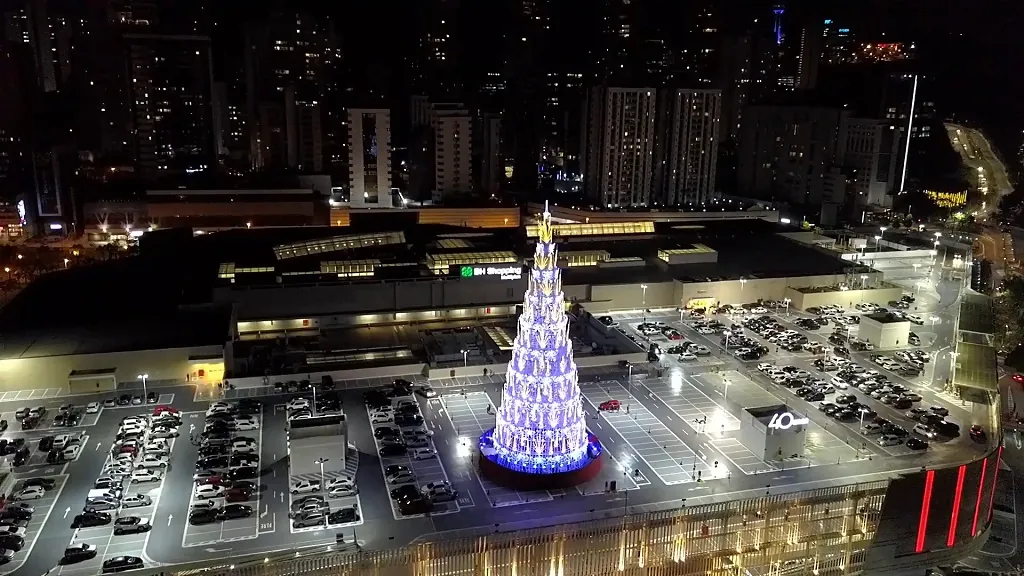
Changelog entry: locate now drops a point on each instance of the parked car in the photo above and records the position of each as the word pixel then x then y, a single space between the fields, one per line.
pixel 131 525
pixel 122 563
pixel 78 553
pixel 90 519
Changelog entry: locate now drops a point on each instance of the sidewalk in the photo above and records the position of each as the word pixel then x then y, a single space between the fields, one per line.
pixel 212 393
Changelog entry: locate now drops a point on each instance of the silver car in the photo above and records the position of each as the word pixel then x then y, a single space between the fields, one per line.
pixel 136 500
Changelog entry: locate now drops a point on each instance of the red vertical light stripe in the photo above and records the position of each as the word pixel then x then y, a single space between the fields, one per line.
pixel 926 504
pixel 995 476
pixel 957 498
pixel 977 505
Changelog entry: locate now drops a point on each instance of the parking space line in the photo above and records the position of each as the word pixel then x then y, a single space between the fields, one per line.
pixel 451 507
pixel 456 406
pixel 657 445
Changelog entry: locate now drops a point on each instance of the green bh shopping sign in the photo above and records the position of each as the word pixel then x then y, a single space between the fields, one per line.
pixel 514 272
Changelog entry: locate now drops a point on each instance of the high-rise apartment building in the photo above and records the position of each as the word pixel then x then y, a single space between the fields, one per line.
pixel 284 69
pixel 489 167
pixel 618 145
pixel 818 156
pixel 788 153
pixel 172 112
pixel 686 146
pixel 907 106
pixel 453 151
pixel 369 156
pixel 870 158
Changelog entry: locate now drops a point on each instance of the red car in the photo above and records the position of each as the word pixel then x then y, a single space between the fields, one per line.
pixel 1018 378
pixel 977 433
pixel 610 405
pixel 162 409
pixel 215 480
pixel 237 495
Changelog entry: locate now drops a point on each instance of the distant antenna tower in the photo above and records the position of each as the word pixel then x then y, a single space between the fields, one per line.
pixel 779 10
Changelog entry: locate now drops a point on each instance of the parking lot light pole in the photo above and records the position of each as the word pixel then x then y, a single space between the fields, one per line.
pixel 863 281
pixel 321 462
pixel 725 396
pixel 465 358
pixel 786 301
pixel 144 377
pixel 643 303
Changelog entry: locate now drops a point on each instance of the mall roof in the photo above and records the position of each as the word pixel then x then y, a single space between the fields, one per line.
pixel 128 304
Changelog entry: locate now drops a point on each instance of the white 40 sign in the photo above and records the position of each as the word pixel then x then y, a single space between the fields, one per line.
pixel 785 421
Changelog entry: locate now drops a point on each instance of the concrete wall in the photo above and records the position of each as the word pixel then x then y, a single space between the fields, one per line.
pixel 631 296
pixel 52 372
pixel 363 298
pixel 402 370
pixel 889 255
pixel 804 300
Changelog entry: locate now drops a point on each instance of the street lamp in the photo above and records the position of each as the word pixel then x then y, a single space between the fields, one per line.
pixel 786 301
pixel 20 256
pixel 321 462
pixel 743 281
pixel 863 281
pixel 465 361
pixel 877 247
pixel 725 396
pixel 66 262
pixel 144 377
pixel 883 229
pixel 643 302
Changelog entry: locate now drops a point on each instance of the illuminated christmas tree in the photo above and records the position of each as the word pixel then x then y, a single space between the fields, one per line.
pixel 541 425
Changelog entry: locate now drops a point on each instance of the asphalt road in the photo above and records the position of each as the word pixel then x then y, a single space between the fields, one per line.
pixel 381 529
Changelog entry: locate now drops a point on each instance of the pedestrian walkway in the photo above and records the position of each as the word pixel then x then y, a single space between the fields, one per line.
pixel 34 394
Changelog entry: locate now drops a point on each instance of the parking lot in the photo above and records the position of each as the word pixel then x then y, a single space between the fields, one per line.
pixel 668 457
pixel 143 498
pixel 418 466
pixel 343 497
pixel 223 530
pixel 693 407
pixel 42 510
pixel 469 417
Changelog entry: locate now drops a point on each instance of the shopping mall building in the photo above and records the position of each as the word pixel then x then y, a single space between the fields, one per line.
pixel 382 296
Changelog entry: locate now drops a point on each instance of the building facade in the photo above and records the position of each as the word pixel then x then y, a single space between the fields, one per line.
pixel 872 154
pixel 453 151
pixel 686 146
pixel 369 156
pixel 487 145
pixel 171 79
pixel 618 145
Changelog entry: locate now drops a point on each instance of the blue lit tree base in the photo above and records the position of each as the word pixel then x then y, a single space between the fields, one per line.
pixel 525 472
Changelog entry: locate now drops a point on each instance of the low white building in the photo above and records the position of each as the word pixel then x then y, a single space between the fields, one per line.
pixel 884 330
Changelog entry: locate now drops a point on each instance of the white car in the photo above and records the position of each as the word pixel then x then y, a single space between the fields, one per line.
pixel 701 350
pixel 71 452
pixel 403 477
pixel 427 392
pixel 207 491
pixel 118 470
pixel 132 429
pixel 417 441
pixel 244 449
pixel 765 366
pixel 297 404
pixel 381 418
pixel 92 407
pixel 340 481
pixel 218 408
pixel 423 454
pixel 204 505
pixel 124 458
pixel 759 310
pixel 134 421
pixel 246 425
pixel 305 486
pixel 31 493
pixel 440 491
pixel 889 440
pixel 8 530
pixel 146 475
pixel 687 357
pixel 153 461
pixel 705 331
